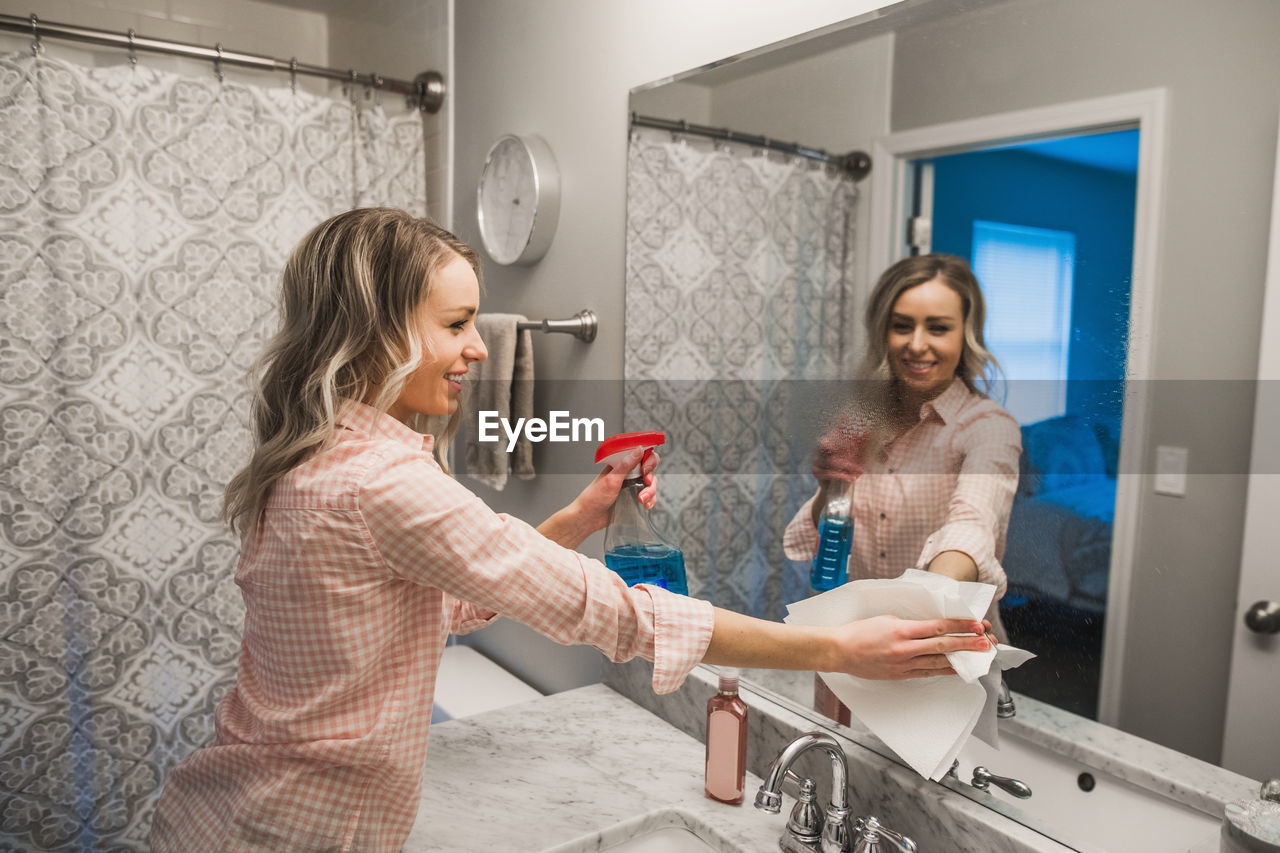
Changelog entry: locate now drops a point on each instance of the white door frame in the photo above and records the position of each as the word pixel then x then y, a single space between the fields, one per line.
pixel 1145 110
pixel 1251 700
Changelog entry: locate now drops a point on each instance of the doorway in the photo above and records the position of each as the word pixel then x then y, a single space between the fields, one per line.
pixel 1069 377
pixel 1047 226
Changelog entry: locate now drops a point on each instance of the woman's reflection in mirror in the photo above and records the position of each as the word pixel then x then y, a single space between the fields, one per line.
pixel 933 459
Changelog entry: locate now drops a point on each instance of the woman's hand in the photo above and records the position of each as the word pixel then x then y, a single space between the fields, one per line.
pixel 889 648
pixel 838 456
pixel 839 453
pixel 596 499
pixel 589 511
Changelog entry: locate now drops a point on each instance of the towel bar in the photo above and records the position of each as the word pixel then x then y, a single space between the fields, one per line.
pixel 581 325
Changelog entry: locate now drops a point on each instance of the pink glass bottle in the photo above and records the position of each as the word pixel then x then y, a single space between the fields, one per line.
pixel 726 741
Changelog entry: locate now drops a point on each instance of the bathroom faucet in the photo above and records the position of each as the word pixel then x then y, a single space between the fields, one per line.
pixel 1004 702
pixel 801 835
pixel 807 830
pixel 983 779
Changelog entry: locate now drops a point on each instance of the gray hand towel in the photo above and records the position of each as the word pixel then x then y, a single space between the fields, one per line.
pixel 502 383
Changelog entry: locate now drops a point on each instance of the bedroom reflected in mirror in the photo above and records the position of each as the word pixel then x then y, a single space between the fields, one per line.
pixel 1048 227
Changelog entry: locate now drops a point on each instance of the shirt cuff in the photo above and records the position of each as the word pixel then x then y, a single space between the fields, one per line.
pixel 973 540
pixel 681 633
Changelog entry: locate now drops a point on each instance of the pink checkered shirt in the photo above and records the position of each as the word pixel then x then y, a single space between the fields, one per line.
pixel 946 484
pixel 366 558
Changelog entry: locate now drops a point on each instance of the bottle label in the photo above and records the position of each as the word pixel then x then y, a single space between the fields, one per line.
pixel 835 538
pixel 725 773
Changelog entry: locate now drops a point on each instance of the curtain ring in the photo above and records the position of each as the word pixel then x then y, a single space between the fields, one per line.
pixel 37 46
pixel 349 87
pixel 293 75
pixel 133 53
pixel 678 134
pixel 217 63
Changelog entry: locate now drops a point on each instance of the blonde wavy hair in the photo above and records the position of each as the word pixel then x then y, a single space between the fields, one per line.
pixel 349 293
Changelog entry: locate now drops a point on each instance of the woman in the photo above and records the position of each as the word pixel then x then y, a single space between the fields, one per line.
pixel 933 460
pixel 360 555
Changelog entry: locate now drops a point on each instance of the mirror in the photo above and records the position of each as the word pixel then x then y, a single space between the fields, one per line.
pixel 744 380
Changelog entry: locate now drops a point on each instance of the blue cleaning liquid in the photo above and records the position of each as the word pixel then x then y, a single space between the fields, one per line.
pixel 658 565
pixel 830 564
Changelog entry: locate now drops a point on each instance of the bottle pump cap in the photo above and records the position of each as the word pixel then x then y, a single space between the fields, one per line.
pixel 613 448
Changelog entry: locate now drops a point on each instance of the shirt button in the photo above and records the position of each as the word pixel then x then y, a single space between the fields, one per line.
pixel 882 515
pixel 882 555
pixel 890 470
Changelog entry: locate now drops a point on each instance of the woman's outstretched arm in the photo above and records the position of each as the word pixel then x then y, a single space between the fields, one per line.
pixel 883 647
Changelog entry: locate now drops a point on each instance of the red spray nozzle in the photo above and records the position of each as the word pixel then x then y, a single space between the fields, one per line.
pixel 613 448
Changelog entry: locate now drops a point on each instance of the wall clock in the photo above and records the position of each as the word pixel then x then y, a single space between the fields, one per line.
pixel 518 199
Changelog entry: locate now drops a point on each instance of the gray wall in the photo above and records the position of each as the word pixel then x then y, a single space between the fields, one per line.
pixel 1220 64
pixel 563 69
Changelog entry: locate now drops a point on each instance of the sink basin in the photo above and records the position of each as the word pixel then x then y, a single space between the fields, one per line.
pixel 1085 805
pixel 668 839
pixel 667 830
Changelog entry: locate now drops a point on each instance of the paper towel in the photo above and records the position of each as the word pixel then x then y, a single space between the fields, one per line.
pixel 924 720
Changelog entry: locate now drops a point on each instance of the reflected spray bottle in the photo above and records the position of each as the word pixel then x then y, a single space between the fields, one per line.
pixel 632 547
pixel 835 538
pixel 830 570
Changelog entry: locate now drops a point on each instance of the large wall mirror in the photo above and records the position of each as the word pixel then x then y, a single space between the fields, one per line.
pixel 1037 139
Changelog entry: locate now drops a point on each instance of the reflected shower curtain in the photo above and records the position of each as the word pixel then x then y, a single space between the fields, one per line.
pixel 739 304
pixel 144 221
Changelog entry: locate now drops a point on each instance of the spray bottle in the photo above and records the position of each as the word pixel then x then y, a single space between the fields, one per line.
pixel 632 547
pixel 835 537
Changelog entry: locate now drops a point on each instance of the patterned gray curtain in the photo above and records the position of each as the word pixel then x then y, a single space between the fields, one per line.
pixel 739 304
pixel 144 221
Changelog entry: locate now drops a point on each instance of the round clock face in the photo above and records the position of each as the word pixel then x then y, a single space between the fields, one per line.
pixel 517 200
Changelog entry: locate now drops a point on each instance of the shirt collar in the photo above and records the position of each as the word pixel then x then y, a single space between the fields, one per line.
pixel 368 421
pixel 947 404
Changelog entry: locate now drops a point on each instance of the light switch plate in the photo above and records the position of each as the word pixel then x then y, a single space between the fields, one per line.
pixel 1171 471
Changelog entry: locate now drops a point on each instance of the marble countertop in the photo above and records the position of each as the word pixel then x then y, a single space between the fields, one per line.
pixel 1147 765
pixel 935 816
pixel 552 773
pixel 580 770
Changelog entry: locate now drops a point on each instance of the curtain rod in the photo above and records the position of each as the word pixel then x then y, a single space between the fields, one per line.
pixel 426 91
pixel 856 163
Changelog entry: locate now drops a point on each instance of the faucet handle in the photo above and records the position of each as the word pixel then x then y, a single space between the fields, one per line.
pixel 805 823
pixel 984 778
pixel 868 835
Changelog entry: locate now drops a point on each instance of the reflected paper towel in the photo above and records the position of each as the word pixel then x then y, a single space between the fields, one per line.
pixel 924 720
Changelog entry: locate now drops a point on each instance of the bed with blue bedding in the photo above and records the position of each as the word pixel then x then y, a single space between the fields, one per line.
pixel 1058 548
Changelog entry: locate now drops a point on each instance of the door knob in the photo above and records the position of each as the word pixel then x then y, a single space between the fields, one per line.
pixel 1263 617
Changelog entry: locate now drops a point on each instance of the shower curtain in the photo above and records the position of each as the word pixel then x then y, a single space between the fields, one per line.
pixel 144 221
pixel 739 317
